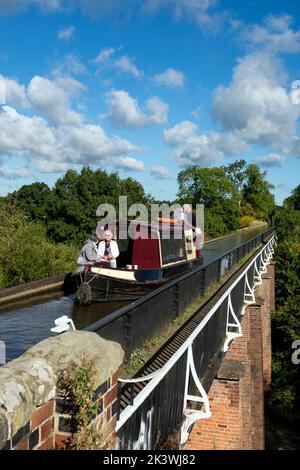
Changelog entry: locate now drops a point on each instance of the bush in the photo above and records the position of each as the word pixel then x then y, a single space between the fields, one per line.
pixel 76 386
pixel 25 253
pixel 246 221
pixel 214 224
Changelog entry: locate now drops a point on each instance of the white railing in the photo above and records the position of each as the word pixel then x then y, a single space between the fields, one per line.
pixel 259 262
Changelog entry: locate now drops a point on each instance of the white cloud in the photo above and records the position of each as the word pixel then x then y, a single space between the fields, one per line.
pixel 276 35
pixel 54 137
pixel 128 163
pixel 269 161
pixel 170 78
pixel 14 93
pixel 191 147
pixel 66 34
pixel 104 55
pixel 196 112
pixel 15 173
pixel 126 64
pixel 161 172
pixel 256 106
pixel 194 148
pixel 14 6
pixel 159 110
pixel 124 110
pixel 180 133
pixel 229 143
pixel 53 149
pixel 198 150
pixel 254 109
pixel 199 11
pixel 69 65
pixel 52 98
pixel 46 166
pixel 25 135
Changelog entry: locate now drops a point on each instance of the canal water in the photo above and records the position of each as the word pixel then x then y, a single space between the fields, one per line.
pixel 25 323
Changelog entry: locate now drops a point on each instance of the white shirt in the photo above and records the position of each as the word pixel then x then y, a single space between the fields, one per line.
pixel 114 249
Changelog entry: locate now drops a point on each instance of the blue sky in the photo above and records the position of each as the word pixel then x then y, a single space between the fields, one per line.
pixel 148 88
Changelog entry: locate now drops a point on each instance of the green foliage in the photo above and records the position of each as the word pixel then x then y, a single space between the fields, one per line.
pixel 293 201
pixel 287 223
pixel 207 186
pixel 285 390
pixel 69 209
pixel 215 224
pixel 236 172
pixel 246 221
pixel 287 259
pixel 25 253
pixel 137 358
pixel 256 192
pixel 228 193
pixel 76 386
pixel 284 383
pixel 31 199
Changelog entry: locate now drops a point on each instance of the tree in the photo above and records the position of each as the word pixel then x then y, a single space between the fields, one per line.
pixel 68 211
pixel 285 390
pixel 31 199
pixel 237 173
pixel 207 186
pixel 71 209
pixel 25 253
pixel 293 201
pixel 257 192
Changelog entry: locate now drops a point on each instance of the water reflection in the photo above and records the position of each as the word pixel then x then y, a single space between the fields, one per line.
pixel 86 315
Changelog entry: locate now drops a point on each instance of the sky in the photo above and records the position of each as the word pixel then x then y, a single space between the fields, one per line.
pixel 148 88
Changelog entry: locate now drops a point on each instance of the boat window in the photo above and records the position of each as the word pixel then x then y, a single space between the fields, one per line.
pixel 125 249
pixel 123 244
pixel 172 250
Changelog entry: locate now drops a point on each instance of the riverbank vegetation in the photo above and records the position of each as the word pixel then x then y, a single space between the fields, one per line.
pixel 42 229
pixel 284 397
pixel 234 196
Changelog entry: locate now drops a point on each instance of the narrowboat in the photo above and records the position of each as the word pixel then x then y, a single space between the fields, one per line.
pixel 151 254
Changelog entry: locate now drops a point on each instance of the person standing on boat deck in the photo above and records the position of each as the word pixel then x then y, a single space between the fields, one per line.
pixel 189 217
pixel 108 249
pixel 190 222
pixel 89 253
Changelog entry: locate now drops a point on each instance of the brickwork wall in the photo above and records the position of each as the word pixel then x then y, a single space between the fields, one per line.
pixel 237 404
pixel 51 424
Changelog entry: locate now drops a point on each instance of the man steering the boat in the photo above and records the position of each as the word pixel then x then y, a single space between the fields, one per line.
pixel 108 249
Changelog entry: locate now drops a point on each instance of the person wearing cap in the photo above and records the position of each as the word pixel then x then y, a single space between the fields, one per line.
pixel 108 249
pixel 89 253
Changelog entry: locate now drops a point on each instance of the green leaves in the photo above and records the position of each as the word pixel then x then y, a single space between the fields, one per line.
pixel 285 391
pixel 68 211
pixel 25 253
pixel 228 193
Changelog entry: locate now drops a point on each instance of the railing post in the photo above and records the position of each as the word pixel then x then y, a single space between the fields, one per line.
pixel 202 282
pixel 127 335
pixel 119 400
pixel 219 269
